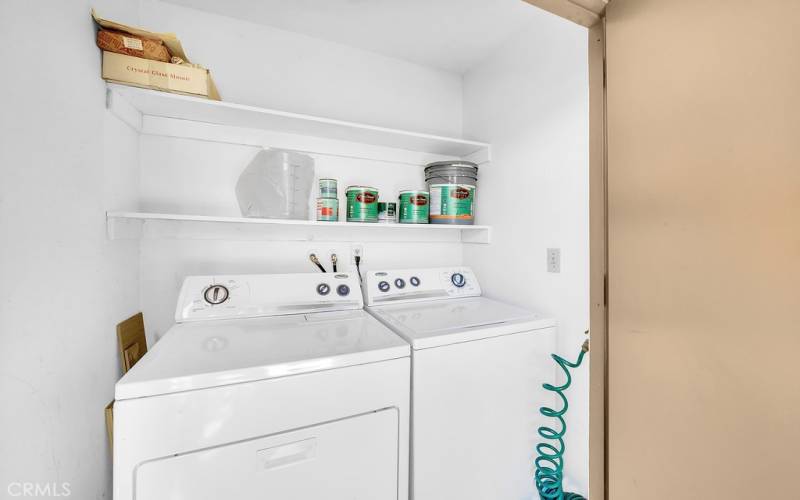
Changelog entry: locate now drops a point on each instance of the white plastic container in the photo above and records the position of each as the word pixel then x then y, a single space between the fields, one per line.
pixel 276 185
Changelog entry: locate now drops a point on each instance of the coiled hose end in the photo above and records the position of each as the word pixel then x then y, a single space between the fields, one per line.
pixel 550 462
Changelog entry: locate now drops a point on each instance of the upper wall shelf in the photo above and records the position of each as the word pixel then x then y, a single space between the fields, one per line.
pixel 132 104
pixel 127 225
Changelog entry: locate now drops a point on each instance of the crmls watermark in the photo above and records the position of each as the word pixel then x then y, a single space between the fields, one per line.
pixel 42 490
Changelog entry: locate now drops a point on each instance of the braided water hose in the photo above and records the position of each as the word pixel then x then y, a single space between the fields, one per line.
pixel 550 462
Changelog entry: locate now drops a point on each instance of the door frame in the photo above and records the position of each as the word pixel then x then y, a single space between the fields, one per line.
pixel 584 12
pixel 598 266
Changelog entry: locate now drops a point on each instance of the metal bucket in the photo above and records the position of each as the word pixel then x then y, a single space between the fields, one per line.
pixel 452 186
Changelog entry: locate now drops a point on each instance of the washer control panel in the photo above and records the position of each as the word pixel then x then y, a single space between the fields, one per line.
pixel 412 285
pixel 246 296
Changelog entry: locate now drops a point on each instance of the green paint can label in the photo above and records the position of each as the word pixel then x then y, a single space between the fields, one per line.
pixel 452 203
pixel 327 209
pixel 414 207
pixel 362 204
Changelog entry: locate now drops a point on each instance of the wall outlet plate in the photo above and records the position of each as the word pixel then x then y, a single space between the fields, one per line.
pixel 356 249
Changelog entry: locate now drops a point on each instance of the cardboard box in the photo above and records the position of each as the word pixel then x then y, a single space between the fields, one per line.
pixel 178 78
pixel 131 341
pixel 132 346
pixel 109 411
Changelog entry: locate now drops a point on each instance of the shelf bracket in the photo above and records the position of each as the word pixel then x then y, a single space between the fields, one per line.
pixel 481 156
pixel 482 235
pixel 123 110
pixel 119 228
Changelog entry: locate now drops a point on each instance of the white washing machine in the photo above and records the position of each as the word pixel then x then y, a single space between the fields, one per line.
pixel 477 371
pixel 269 386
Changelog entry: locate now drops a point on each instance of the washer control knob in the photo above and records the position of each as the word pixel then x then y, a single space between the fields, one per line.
pixel 383 286
pixel 399 283
pixel 414 281
pixel 343 290
pixel 458 280
pixel 216 294
pixel 323 289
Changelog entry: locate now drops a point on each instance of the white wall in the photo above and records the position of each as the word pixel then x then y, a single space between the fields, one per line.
pixel 264 66
pixel 65 286
pixel 65 161
pixel 530 100
pixel 260 65
pixel 201 179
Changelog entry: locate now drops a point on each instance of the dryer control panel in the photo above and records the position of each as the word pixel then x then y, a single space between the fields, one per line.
pixel 413 285
pixel 255 295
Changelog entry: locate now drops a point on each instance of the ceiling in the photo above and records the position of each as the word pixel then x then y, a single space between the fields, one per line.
pixel 452 35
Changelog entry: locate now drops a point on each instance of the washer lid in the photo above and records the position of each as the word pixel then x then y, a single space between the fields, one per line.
pixel 207 354
pixel 442 322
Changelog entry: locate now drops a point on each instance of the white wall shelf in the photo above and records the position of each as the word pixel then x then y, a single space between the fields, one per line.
pixel 127 225
pixel 134 106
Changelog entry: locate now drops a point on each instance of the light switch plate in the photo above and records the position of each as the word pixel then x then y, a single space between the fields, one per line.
pixel 553 260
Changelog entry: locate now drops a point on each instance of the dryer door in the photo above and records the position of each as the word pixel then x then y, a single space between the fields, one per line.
pixel 350 459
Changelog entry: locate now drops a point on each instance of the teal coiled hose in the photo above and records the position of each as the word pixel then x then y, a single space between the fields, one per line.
pixel 550 462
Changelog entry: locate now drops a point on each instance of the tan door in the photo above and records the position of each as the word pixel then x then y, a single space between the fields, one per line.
pixel 704 249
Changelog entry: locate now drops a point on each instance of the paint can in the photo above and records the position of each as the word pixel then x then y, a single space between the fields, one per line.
pixel 327 209
pixel 452 185
pixel 362 204
pixel 414 207
pixel 328 188
pixel 387 211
